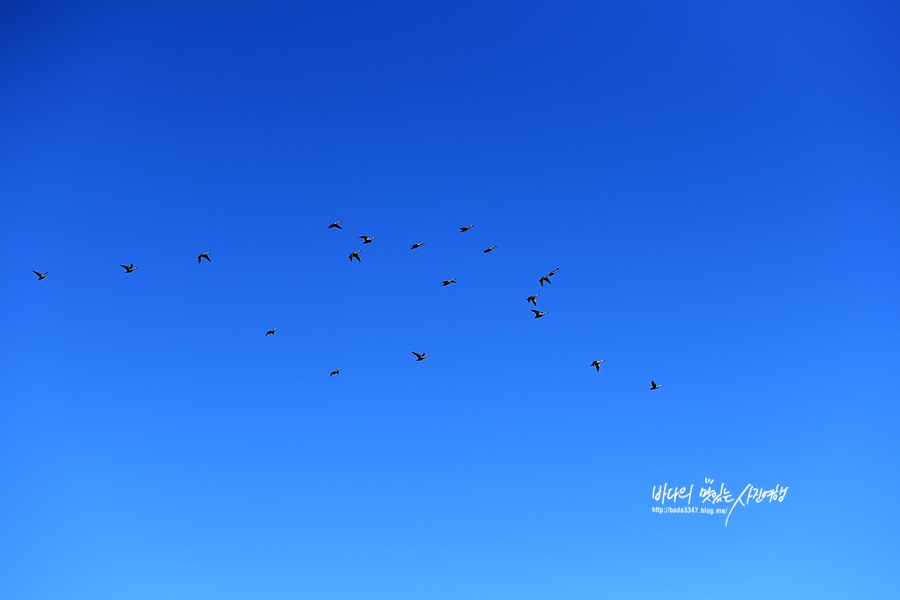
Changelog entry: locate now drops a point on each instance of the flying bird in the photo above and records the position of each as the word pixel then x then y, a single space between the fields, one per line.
pixel 414 246
pixel 466 228
pixel 335 372
pixel 366 239
pixel 653 386
pixel 449 281
pixel 41 275
pixel 271 331
pixel 489 249
pixel 538 314
pixel 532 299
pixel 356 256
pixel 547 277
pixel 596 363
pixel 202 256
pixel 420 356
pixel 129 268
pixel 335 225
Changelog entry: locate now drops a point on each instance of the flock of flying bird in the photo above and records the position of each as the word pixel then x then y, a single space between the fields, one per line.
pixel 420 356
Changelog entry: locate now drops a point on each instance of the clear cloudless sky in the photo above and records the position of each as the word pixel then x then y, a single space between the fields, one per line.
pixel 717 182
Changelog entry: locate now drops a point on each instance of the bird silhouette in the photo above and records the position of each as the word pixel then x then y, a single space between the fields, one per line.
pixel 335 225
pixel 466 228
pixel 489 249
pixel 538 314
pixel 366 239
pixel 41 275
pixel 335 372
pixel 271 331
pixel 356 256
pixel 449 281
pixel 420 356
pixel 532 299
pixel 548 276
pixel 202 256
pixel 129 268
pixel 596 363
pixel 654 386
pixel 416 245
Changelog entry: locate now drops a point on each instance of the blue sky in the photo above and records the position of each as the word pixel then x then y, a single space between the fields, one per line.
pixel 717 184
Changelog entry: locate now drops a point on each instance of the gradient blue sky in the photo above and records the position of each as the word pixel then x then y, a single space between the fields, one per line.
pixel 717 183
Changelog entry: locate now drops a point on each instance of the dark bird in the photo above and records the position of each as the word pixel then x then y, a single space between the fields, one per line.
pixel 653 386
pixel 271 331
pixel 489 249
pixel 129 268
pixel 466 228
pixel 335 225
pixel 356 256
pixel 449 281
pixel 41 275
pixel 538 314
pixel 548 276
pixel 202 256
pixel 596 363
pixel 414 246
pixel 366 239
pixel 335 372
pixel 420 356
pixel 532 299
